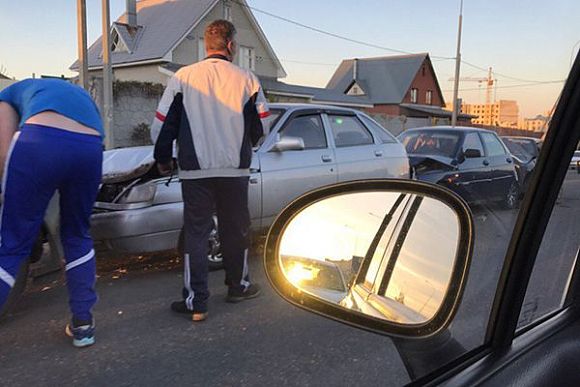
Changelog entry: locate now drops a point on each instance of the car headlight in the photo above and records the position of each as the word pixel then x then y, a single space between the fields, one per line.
pixel 139 194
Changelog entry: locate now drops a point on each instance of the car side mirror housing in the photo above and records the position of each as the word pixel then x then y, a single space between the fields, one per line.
pixel 288 143
pixel 391 256
pixel 472 153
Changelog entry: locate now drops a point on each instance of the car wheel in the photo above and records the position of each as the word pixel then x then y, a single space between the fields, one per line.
pixel 214 254
pixel 512 196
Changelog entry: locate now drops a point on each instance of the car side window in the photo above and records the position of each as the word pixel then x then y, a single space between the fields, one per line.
pixel 557 256
pixel 382 133
pixel 309 128
pixel 349 131
pixel 493 145
pixel 472 141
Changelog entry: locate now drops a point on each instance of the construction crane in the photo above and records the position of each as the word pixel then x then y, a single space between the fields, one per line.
pixel 489 82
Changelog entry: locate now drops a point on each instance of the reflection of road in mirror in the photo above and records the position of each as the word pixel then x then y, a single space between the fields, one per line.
pixel 410 244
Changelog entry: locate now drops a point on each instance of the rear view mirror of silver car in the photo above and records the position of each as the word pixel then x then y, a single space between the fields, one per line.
pixel 390 256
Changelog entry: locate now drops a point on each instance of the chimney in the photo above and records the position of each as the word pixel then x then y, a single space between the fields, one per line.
pixel 132 13
pixel 355 69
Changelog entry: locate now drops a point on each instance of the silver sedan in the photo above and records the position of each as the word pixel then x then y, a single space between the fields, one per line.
pixel 309 146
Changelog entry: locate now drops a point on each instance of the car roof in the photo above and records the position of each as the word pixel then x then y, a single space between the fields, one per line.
pixel 309 106
pixel 460 129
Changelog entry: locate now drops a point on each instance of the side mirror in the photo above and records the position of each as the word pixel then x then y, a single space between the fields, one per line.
pixel 390 256
pixel 288 143
pixel 472 153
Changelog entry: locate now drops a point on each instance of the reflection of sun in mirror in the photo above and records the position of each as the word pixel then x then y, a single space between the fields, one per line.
pixel 337 228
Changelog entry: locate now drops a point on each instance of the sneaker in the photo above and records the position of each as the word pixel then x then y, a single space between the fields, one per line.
pixel 82 335
pixel 180 307
pixel 237 295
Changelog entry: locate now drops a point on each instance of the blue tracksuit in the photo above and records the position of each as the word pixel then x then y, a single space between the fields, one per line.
pixel 41 161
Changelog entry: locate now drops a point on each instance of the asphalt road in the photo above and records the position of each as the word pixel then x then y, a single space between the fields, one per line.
pixel 264 341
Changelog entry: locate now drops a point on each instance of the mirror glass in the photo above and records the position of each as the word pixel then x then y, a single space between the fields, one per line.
pixel 385 254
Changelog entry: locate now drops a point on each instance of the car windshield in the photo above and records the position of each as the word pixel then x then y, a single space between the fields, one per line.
pixel 434 143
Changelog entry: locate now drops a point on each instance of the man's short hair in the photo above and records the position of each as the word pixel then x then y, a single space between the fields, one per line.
pixel 218 34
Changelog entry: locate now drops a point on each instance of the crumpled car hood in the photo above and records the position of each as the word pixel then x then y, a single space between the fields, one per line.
pixel 425 163
pixel 125 164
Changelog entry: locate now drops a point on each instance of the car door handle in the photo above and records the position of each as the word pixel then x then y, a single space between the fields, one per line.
pixel 485 162
pixel 509 160
pixel 253 180
pixel 326 158
pixel 379 153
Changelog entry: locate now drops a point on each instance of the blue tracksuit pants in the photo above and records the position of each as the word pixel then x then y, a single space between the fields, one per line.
pixel 41 161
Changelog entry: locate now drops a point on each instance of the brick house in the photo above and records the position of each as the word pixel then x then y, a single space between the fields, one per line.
pixel 403 89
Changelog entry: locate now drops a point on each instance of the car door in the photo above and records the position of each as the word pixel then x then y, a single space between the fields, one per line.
pixel 357 154
pixel 474 172
pixel 502 173
pixel 286 175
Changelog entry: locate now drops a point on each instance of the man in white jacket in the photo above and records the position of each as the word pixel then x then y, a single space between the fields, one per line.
pixel 213 109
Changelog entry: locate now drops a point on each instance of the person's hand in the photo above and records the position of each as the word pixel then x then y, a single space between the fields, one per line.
pixel 165 169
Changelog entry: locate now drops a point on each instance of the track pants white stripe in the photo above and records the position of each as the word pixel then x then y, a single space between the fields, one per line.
pixel 187 282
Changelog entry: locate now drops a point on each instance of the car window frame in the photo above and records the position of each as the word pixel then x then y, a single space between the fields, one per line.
pixel 502 342
pixel 487 153
pixel 477 134
pixel 379 140
pixel 306 113
pixel 327 115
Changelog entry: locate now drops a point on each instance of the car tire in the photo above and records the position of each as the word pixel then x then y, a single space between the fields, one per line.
pixel 214 254
pixel 512 197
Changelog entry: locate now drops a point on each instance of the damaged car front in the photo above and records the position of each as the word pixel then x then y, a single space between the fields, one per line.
pixel 137 210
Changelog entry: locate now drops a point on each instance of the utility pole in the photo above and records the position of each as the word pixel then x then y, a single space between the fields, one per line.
pixel 107 78
pixel 82 44
pixel 457 65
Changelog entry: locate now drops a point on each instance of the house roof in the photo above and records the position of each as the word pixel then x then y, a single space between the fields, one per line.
pixel 385 80
pixel 163 25
pixel 315 94
pixel 433 111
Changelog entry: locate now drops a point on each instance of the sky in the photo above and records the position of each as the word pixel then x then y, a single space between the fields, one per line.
pixel 524 41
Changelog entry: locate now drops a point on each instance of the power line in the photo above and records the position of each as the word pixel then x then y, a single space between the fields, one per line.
pixel 371 45
pixel 538 83
pixel 321 31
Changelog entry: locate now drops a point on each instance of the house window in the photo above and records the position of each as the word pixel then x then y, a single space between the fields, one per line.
pixel 423 71
pixel 246 58
pixel 414 95
pixel 355 90
pixel 201 54
pixel 117 44
pixel 429 97
pixel 228 12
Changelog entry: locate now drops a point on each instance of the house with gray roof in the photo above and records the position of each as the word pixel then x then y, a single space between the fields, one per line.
pixel 158 32
pixel 397 86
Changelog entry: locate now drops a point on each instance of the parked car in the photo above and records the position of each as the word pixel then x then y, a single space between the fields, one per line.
pixel 471 162
pixel 138 211
pixel 525 151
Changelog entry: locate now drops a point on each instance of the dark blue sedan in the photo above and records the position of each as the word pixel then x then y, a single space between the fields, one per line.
pixel 471 162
